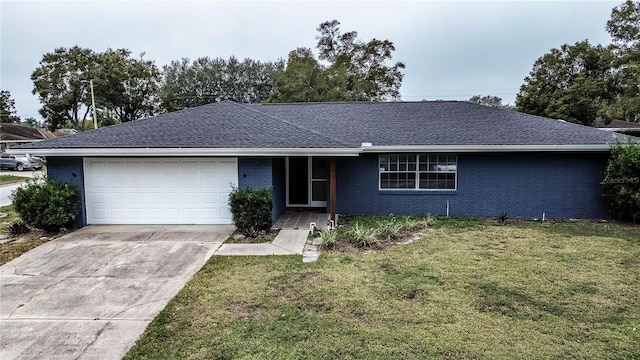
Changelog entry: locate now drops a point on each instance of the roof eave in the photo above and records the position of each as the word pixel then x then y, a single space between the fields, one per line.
pixel 488 148
pixel 168 152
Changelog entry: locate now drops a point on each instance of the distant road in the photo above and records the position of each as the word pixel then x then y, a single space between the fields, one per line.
pixel 5 192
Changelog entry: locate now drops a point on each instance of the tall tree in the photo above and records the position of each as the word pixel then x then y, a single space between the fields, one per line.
pixel 304 80
pixel 491 101
pixel 624 28
pixel 32 122
pixel 572 83
pixel 206 80
pixel 7 108
pixel 125 85
pixel 353 70
pixel 59 81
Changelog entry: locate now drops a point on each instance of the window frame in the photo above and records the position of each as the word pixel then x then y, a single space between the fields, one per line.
pixel 417 171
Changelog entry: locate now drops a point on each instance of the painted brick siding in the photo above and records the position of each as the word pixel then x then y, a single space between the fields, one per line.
pixel 258 173
pixel 69 170
pixel 254 173
pixel 524 185
pixel 279 187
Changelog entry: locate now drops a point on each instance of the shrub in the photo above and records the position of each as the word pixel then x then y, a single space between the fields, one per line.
pixel 389 230
pixel 251 210
pixel 621 185
pixel 329 238
pixel 46 204
pixel 18 227
pixel 362 236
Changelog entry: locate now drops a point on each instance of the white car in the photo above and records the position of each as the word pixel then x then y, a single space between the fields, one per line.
pixel 13 162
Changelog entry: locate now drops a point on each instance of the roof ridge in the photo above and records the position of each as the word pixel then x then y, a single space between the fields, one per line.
pixel 244 106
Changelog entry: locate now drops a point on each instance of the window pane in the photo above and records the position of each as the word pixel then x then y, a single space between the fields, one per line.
pixel 319 170
pixel 393 167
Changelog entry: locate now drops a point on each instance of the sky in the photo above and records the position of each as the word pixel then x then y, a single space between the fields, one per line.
pixel 452 49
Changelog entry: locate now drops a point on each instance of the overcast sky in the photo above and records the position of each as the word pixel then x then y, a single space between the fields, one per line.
pixel 452 50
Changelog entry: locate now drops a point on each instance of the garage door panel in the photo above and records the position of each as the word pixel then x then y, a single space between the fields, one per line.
pixel 159 191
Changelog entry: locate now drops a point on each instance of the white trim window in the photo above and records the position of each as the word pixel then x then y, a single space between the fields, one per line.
pixel 418 172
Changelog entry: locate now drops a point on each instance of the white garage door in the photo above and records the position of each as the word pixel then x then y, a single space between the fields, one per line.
pixel 159 191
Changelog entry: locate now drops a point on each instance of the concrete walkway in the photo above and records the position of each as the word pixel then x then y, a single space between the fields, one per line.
pixel 287 242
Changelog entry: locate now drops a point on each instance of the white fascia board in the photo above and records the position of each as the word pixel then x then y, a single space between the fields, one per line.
pixel 177 152
pixel 487 148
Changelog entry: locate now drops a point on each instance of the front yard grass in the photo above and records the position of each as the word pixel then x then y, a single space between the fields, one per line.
pixel 20 245
pixel 11 179
pixel 468 289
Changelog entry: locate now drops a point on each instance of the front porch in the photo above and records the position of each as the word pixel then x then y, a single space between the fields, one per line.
pixel 299 219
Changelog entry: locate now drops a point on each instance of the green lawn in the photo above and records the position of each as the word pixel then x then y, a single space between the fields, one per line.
pixel 468 289
pixel 12 249
pixel 11 179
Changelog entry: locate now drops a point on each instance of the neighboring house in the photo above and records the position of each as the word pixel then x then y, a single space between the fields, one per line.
pixel 12 135
pixel 619 126
pixel 351 158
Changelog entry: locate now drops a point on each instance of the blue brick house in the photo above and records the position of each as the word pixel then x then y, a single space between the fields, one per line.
pixel 441 157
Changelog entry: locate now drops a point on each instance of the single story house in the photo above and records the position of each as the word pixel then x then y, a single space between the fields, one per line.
pixel 437 157
pixel 619 126
pixel 17 134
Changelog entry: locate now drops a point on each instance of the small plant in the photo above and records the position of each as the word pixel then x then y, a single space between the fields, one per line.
pixel 18 227
pixel 503 217
pixel 362 236
pixel 329 238
pixel 251 210
pixel 47 204
pixel 262 237
pixel 389 230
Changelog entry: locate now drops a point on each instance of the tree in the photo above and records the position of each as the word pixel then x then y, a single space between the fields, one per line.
pixel 32 122
pixel 491 101
pixel 572 83
pixel 125 85
pixel 7 108
pixel 353 70
pixel 621 186
pixel 624 28
pixel 304 80
pixel 59 81
pixel 624 25
pixel 206 80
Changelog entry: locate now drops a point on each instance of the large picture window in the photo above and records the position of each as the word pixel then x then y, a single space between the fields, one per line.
pixel 418 171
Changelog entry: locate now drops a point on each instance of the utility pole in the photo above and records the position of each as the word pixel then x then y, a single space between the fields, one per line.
pixel 93 105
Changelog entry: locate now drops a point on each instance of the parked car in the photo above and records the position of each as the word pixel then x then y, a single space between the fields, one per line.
pixel 13 162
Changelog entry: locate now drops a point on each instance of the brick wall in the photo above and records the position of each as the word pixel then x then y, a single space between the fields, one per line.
pixel 254 173
pixel 69 170
pixel 279 187
pixel 261 173
pixel 524 185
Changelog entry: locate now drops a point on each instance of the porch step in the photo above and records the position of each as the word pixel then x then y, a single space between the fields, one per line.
pixel 287 242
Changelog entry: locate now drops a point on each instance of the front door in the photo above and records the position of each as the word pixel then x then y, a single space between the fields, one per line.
pixel 307 181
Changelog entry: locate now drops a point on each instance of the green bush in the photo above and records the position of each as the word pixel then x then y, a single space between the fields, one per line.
pixel 46 204
pixel 251 210
pixel 621 185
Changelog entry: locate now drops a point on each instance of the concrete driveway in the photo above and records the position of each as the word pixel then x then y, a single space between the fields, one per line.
pixel 90 294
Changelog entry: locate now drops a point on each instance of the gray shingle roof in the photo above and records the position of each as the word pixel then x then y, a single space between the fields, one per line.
pixel 333 125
